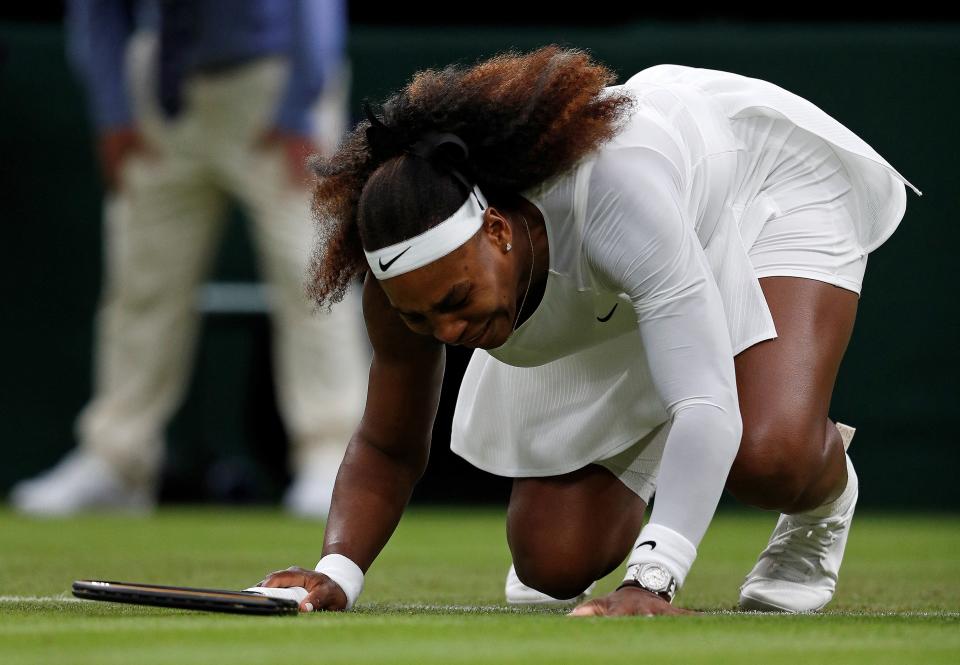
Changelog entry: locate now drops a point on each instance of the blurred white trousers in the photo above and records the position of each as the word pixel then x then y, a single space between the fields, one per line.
pixel 161 232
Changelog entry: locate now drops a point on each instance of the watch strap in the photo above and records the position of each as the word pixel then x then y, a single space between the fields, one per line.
pixel 634 574
pixel 634 583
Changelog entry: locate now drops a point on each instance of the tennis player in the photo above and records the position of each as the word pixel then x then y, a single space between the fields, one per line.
pixel 660 279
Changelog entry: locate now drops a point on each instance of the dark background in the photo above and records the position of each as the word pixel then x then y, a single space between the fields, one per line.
pixel 893 81
pixel 510 12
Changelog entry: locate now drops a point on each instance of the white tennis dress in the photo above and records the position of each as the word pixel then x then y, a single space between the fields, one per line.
pixel 651 289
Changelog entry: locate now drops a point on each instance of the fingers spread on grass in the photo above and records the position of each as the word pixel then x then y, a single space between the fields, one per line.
pixel 592 608
pixel 628 602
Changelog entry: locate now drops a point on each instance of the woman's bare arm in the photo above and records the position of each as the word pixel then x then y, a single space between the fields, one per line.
pixel 387 453
pixel 389 450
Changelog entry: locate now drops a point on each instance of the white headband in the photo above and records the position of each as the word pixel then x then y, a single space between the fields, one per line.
pixel 432 244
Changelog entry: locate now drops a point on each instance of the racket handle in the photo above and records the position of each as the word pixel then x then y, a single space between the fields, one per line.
pixel 297 593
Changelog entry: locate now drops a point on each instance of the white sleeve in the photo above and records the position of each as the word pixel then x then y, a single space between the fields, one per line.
pixel 638 241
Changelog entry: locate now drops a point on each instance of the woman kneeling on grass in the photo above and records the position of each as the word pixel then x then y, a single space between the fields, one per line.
pixel 659 278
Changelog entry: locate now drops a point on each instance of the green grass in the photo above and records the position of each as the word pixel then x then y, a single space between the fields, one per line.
pixel 435 596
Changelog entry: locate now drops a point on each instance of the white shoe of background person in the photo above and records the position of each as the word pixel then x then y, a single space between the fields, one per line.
pixel 310 493
pixel 519 593
pixel 797 572
pixel 80 482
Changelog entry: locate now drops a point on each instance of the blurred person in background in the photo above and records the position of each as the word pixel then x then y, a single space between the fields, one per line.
pixel 195 103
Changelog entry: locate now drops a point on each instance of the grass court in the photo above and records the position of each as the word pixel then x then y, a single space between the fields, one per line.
pixel 436 596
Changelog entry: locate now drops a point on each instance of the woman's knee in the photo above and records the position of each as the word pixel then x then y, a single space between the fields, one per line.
pixel 554 558
pixel 554 575
pixel 776 464
pixel 566 532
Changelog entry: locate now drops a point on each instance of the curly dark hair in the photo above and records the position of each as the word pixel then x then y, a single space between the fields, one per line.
pixel 523 117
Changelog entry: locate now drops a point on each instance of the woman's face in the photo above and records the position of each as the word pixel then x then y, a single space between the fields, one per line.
pixel 468 297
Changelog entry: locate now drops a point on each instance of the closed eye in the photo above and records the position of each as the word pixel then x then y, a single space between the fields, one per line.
pixel 457 298
pixel 452 307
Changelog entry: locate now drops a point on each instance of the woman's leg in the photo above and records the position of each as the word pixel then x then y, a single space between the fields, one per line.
pixel 567 531
pixel 791 457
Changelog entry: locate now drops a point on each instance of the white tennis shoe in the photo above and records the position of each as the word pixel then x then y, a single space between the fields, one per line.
pixel 519 593
pixel 797 572
pixel 80 482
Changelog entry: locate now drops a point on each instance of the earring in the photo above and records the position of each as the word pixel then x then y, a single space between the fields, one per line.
pixel 509 247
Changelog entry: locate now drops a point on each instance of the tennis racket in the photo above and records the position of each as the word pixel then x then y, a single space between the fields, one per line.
pixel 257 600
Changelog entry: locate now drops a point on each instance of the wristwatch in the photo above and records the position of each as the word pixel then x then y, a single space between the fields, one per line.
pixel 654 578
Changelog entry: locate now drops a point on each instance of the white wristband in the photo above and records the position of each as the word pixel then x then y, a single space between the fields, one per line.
pixel 345 573
pixel 659 544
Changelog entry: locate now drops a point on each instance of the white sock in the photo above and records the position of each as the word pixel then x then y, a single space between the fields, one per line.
pixel 842 503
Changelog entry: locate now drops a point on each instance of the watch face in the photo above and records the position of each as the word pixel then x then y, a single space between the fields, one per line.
pixel 654 578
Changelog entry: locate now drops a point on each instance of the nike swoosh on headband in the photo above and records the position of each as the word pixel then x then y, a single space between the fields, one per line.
pixel 385 266
pixel 652 544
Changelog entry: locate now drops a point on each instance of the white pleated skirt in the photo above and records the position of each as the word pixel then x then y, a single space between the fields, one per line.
pixel 814 197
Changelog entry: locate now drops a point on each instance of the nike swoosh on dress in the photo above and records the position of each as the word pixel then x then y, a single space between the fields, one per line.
pixel 604 319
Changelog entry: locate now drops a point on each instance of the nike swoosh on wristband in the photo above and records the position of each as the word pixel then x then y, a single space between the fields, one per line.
pixel 652 544
pixel 385 266
pixel 606 318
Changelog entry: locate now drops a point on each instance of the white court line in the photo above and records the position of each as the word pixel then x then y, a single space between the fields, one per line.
pixel 523 609
pixel 546 610
pixel 938 614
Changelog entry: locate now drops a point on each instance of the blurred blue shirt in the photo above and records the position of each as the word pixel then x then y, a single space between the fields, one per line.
pixel 204 34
